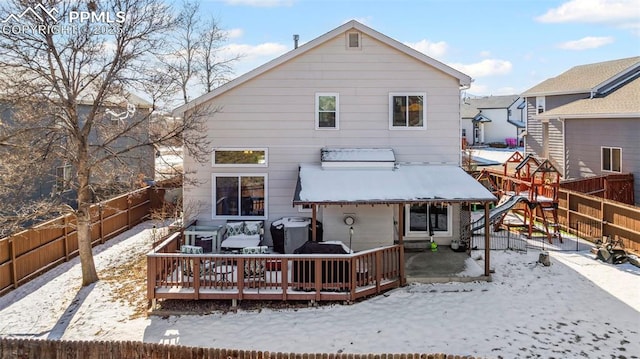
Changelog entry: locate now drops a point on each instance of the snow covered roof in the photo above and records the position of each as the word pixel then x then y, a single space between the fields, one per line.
pixel 328 154
pixel 405 183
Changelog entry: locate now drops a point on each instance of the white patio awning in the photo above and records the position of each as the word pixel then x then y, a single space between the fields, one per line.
pixel 405 183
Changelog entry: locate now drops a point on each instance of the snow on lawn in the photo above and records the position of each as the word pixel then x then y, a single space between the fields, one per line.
pixel 577 307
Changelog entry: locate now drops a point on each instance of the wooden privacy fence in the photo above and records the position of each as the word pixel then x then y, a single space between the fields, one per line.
pixel 27 254
pixel 314 277
pixel 593 217
pixel 53 349
pixel 617 187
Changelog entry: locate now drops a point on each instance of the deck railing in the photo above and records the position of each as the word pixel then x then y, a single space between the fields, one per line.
pixel 314 277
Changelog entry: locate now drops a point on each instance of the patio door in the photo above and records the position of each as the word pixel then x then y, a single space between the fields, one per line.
pixel 425 220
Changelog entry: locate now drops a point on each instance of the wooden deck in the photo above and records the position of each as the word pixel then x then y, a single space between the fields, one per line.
pixel 313 277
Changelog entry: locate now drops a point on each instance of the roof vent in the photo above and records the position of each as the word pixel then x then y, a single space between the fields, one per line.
pixel 295 41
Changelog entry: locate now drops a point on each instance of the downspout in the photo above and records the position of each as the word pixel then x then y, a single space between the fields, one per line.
pixel 564 148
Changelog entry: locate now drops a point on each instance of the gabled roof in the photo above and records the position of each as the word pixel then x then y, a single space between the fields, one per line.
pixel 622 102
pixel 470 106
pixel 589 78
pixel 463 79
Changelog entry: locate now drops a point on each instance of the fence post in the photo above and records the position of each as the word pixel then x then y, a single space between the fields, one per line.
pixel 151 279
pixel 14 272
pixel 129 212
pixel 66 238
pixel 101 218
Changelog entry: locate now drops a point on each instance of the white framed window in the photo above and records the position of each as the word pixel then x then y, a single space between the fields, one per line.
pixel 540 104
pixel 327 111
pixel 240 157
pixel 63 179
pixel 407 111
pixel 305 208
pixel 354 40
pixel 425 219
pixel 611 159
pixel 239 195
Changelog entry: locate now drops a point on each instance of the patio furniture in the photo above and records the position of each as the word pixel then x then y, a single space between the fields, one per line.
pixel 187 263
pixel 206 236
pixel 241 234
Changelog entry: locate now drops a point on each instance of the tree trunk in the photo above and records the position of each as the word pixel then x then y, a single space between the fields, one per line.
pixel 89 274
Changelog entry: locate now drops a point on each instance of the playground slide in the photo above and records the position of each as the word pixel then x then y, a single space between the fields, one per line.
pixel 504 205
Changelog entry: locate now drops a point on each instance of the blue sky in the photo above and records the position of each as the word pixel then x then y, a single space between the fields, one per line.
pixel 505 46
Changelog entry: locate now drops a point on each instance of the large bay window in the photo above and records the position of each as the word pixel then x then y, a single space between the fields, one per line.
pixel 239 195
pixel 428 219
pixel 407 111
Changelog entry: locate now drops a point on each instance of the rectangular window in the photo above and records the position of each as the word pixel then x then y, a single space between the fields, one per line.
pixel 407 111
pixel 63 179
pixel 612 159
pixel 327 105
pixel 237 196
pixel 240 157
pixel 540 104
pixel 305 208
pixel 428 219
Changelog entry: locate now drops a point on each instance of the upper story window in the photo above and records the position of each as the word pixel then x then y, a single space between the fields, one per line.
pixel 407 111
pixel 240 157
pixel 327 116
pixel 612 159
pixel 63 179
pixel 353 40
pixel 540 104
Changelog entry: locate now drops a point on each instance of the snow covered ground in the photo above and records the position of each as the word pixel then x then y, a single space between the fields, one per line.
pixel 576 308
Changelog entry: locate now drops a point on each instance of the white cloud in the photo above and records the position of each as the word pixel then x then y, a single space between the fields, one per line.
pixel 261 3
pixel 589 42
pixel 484 68
pixel 485 53
pixel 234 33
pixel 251 52
pixel 593 11
pixel 433 49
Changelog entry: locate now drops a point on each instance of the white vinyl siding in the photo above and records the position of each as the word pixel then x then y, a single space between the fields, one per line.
pixel 273 111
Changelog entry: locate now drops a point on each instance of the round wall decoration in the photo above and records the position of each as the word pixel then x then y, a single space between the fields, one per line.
pixel 348 220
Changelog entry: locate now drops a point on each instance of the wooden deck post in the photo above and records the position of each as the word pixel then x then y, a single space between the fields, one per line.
pixel 151 278
pixel 403 276
pixel 487 241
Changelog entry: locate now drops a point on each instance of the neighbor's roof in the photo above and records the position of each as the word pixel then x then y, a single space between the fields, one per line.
pixel 405 183
pixel 470 106
pixel 463 79
pixel 622 102
pixel 584 78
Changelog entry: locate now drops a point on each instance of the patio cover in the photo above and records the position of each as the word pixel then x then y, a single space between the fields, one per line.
pixel 405 183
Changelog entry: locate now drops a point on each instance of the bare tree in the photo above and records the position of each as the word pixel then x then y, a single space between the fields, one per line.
pixel 215 69
pixel 68 70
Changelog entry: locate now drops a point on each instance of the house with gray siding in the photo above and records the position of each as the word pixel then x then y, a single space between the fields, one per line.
pixel 587 120
pixel 353 128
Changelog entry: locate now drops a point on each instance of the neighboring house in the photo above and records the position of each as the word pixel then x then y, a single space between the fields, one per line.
pixel 492 119
pixel 353 128
pixel 111 177
pixel 587 120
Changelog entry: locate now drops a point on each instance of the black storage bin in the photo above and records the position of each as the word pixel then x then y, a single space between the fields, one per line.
pixel 277 236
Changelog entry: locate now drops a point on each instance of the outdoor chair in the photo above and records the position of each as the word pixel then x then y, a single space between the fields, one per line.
pixel 187 263
pixel 254 269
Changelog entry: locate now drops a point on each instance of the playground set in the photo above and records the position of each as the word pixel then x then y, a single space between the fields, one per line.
pixel 530 181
